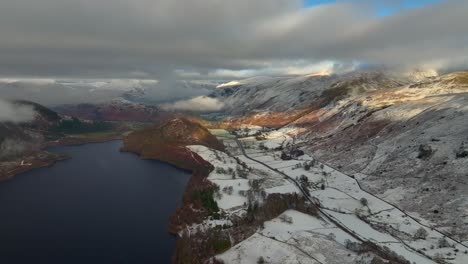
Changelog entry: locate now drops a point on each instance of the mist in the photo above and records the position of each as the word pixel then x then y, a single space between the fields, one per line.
pixel 51 92
pixel 196 104
pixel 15 113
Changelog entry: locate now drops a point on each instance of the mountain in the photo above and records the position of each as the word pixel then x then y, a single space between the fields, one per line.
pixel 21 138
pixel 404 138
pixel 56 92
pixel 24 138
pixel 407 144
pixel 117 110
pixel 283 94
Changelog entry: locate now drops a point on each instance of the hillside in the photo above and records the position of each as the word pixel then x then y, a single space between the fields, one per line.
pixel 167 142
pixel 405 143
pixel 118 110
pixel 278 95
pixel 408 145
pixel 21 138
pixel 385 163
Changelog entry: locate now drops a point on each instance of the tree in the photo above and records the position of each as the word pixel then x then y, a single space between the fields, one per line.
pixel 286 219
pixel 261 260
pixel 443 243
pixel 220 170
pixel 377 260
pixel 364 201
pixel 421 233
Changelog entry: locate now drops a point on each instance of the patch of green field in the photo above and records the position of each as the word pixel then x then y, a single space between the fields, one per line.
pixel 97 135
pixel 221 133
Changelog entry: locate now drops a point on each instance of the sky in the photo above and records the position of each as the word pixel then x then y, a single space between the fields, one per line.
pixel 225 39
pixel 382 7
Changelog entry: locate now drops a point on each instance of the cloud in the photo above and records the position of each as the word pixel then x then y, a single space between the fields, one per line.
pixel 10 112
pixel 198 104
pixel 51 92
pixel 215 38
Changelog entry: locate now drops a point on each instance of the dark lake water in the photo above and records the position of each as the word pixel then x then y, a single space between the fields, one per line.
pixel 101 206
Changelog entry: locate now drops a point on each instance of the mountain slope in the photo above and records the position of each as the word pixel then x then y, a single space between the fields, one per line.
pixel 19 139
pixel 278 95
pixel 405 139
pixel 178 132
pixel 116 111
pixel 407 145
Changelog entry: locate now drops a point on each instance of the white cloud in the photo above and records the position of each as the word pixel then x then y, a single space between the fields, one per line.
pixel 198 104
pixel 11 112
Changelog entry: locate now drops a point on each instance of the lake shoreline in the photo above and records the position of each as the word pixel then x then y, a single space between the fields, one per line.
pixel 42 158
pixel 182 158
pixel 149 183
pixel 179 157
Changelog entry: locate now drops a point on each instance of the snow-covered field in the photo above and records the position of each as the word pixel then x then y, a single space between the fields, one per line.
pixel 294 237
pixel 372 218
pixel 307 239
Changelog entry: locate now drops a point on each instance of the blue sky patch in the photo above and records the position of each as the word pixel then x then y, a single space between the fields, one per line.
pixel 382 6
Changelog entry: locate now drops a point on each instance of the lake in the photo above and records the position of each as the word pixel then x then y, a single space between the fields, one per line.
pixel 101 206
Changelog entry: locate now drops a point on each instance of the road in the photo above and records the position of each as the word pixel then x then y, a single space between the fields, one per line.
pixel 316 202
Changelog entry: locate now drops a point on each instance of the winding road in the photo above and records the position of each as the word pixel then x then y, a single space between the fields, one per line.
pixel 323 213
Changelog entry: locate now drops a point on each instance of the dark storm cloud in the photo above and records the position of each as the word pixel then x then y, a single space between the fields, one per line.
pixel 122 38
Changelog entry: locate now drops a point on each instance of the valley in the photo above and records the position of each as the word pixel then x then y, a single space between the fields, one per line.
pixel 354 167
pixel 234 132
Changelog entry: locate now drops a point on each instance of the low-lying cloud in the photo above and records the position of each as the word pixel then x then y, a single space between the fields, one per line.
pixel 197 104
pixel 51 92
pixel 15 113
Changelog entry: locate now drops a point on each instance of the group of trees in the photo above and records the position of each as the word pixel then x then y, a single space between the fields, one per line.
pixel 228 190
pixel 275 204
pixel 229 171
pixel 206 199
pixel 306 165
pixel 242 170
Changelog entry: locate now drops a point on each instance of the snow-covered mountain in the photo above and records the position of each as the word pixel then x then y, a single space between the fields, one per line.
pixel 52 92
pixel 116 110
pixel 383 156
pixel 404 137
pixel 282 94
pixel 407 144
